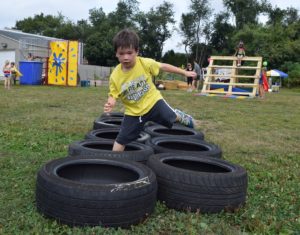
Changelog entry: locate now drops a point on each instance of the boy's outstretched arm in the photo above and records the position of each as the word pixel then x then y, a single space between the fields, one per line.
pixel 110 104
pixel 173 69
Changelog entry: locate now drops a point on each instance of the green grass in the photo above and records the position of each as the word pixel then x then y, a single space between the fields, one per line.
pixel 39 122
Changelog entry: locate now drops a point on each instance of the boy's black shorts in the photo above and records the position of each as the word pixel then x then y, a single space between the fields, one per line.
pixel 131 126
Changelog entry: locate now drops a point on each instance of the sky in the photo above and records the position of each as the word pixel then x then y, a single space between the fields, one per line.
pixel 74 10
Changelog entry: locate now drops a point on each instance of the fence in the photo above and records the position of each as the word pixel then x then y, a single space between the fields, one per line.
pixel 94 72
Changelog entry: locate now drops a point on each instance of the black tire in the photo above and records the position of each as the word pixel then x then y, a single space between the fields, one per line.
pixel 107 122
pixel 93 191
pixel 185 146
pixel 111 134
pixel 208 185
pixel 176 131
pixel 112 114
pixel 150 123
pixel 103 148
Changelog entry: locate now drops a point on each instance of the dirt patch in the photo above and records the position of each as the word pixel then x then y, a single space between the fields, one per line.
pixel 206 125
pixel 198 123
pixel 3 155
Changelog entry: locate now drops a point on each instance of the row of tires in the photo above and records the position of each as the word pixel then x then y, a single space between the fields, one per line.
pixel 161 139
pixel 140 152
pixel 96 186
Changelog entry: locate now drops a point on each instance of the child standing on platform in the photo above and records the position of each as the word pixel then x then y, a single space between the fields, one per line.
pixel 240 53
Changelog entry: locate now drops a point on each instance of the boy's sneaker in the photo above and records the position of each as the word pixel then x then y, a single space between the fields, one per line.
pixel 185 119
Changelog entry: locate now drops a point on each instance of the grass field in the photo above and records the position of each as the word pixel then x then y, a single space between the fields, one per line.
pixel 39 122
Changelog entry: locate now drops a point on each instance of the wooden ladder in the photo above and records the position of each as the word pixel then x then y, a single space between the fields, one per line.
pixel 235 79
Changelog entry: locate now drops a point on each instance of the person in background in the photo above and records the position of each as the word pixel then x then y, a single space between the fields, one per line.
pixel 30 57
pixel 131 82
pixel 261 91
pixel 15 73
pixel 196 79
pixel 6 72
pixel 240 53
pixel 189 80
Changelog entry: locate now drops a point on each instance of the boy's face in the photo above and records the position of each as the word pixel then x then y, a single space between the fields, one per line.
pixel 126 57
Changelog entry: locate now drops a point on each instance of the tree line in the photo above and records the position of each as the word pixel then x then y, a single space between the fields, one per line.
pixel 203 32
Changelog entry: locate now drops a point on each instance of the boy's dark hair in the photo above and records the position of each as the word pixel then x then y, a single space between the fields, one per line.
pixel 126 38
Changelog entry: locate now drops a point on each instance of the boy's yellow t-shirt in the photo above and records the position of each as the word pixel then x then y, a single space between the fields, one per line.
pixel 135 87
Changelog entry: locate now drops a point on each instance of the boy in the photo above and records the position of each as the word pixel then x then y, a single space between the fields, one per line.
pixel 131 81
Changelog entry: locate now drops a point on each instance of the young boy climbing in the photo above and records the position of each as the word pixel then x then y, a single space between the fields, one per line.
pixel 131 82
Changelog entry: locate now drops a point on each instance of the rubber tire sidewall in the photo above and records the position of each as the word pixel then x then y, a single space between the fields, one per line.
pixel 213 150
pixel 151 130
pixel 142 153
pixel 105 197
pixel 193 190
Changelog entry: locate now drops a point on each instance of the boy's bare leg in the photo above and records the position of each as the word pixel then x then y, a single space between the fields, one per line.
pixel 118 147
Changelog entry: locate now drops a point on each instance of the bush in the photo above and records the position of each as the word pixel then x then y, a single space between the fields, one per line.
pixel 293 69
pixel 169 76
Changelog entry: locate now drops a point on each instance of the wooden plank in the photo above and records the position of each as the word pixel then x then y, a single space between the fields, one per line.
pixel 233 73
pixel 233 84
pixel 235 67
pixel 256 81
pixel 246 58
pixel 245 76
pixel 235 76
pixel 226 92
pixel 209 72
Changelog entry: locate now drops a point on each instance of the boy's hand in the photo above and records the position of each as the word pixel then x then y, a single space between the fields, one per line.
pixel 108 107
pixel 190 74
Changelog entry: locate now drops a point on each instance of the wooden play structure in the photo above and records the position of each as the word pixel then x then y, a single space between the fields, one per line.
pixel 237 80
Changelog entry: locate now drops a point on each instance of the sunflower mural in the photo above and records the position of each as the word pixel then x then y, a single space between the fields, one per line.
pixel 62 67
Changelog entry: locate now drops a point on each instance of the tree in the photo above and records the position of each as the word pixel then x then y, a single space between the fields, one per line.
pixel 282 16
pixel 222 32
pixel 245 12
pixel 54 26
pixel 41 24
pixel 194 25
pixel 98 46
pixel 176 59
pixel 291 16
pixel 187 27
pixel 99 50
pixel 124 14
pixel 97 17
pixel 276 16
pixel 154 29
pixel 201 11
pixel 83 29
